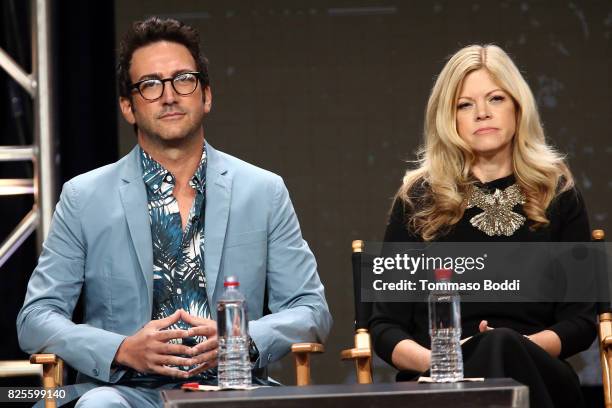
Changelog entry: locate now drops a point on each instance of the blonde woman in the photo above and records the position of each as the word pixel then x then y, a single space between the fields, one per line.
pixel 483 136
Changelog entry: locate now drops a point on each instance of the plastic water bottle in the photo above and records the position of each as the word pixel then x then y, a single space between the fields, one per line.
pixel 234 369
pixel 445 331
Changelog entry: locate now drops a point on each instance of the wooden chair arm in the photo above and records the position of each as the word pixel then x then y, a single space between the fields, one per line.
pixel 53 369
pixel 363 363
pixel 307 348
pixel 301 352
pixel 44 359
pixel 354 353
pixel 362 355
pixel 52 373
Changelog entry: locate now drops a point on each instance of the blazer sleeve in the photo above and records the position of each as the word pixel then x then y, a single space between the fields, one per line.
pixel 296 296
pixel 44 323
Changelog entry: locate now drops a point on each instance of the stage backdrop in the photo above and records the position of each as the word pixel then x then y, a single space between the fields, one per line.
pixel 331 95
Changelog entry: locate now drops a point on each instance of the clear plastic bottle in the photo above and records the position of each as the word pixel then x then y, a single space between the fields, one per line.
pixel 445 331
pixel 234 369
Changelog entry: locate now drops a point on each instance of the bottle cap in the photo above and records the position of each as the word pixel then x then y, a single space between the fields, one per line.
pixel 231 281
pixel 190 386
pixel 443 274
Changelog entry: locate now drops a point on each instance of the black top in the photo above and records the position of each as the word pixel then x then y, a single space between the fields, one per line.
pixel 574 323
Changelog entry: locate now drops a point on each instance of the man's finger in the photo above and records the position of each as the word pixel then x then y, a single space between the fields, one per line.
pixel 206 330
pixel 210 344
pixel 174 349
pixel 170 372
pixel 208 357
pixel 169 360
pixel 195 320
pixel 199 369
pixel 166 321
pixel 213 363
pixel 166 335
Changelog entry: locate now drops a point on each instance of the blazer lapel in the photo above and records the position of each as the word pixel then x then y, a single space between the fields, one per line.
pixel 134 200
pixel 218 195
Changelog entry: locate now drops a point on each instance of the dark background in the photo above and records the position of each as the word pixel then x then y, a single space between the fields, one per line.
pixel 331 96
pixel 86 127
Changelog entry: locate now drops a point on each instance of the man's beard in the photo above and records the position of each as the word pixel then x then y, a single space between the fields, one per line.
pixel 176 140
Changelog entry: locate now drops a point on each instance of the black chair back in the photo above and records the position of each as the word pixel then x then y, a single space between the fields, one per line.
pixel 363 310
pixel 599 235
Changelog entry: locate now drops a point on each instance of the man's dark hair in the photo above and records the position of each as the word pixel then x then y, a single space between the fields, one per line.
pixel 152 30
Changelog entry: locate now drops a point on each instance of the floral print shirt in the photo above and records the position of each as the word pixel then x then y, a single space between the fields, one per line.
pixel 179 279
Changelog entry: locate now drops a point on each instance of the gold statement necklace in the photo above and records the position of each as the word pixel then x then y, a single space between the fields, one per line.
pixel 497 217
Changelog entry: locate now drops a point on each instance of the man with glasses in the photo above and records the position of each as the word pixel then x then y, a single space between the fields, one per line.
pixel 148 240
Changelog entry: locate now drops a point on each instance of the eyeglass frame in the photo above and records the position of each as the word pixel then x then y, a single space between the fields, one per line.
pixel 136 85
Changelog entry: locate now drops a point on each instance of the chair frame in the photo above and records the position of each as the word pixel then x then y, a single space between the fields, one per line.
pixel 605 355
pixel 605 338
pixel 301 353
pixel 53 367
pixel 362 355
pixel 362 352
pixel 53 373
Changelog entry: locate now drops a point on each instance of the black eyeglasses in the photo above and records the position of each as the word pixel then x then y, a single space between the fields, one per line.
pixel 184 84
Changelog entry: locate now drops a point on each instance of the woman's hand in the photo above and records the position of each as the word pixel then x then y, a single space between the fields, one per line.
pixel 546 339
pixel 409 355
pixel 484 326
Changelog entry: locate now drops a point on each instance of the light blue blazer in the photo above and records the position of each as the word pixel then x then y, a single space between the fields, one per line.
pixel 99 245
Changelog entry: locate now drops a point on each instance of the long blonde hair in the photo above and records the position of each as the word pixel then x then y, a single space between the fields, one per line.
pixel 442 180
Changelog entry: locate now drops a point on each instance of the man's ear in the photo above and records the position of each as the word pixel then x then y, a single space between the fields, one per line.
pixel 127 109
pixel 207 100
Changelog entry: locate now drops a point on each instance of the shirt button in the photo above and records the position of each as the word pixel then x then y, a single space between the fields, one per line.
pixel 168 178
pixel 95 372
pixel 155 186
